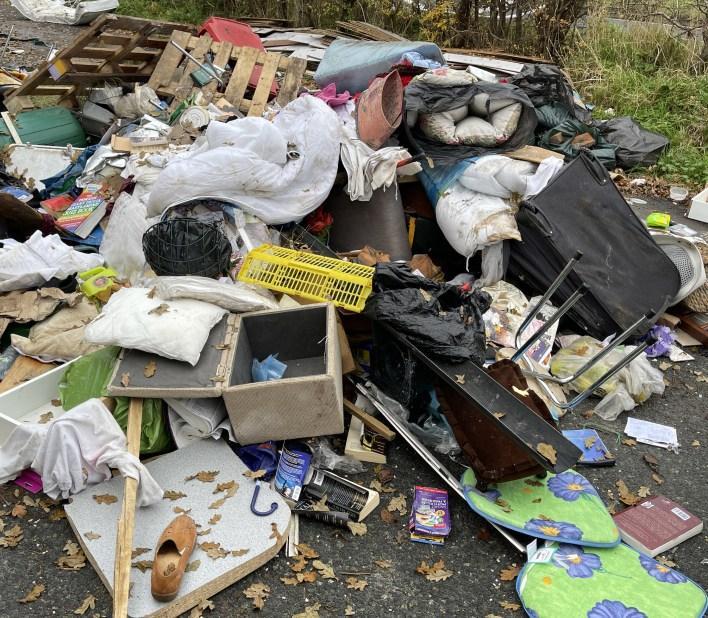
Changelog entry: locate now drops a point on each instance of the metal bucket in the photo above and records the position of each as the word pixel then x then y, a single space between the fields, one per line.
pixel 379 110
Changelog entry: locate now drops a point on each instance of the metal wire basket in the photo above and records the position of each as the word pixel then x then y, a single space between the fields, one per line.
pixel 186 246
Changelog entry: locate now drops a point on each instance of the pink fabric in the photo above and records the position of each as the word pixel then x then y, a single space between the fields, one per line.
pixel 329 95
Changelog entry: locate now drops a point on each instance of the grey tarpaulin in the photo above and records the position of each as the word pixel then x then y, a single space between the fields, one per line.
pixel 635 144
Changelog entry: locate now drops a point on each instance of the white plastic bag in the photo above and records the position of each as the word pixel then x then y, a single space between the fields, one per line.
pixel 122 244
pixel 471 220
pixel 475 131
pixel 482 106
pixel 176 329
pixel 497 175
pixel 506 120
pixel 247 163
pixel 237 297
pixel 439 127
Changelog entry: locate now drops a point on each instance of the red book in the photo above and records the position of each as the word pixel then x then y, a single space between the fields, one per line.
pixel 55 206
pixel 656 524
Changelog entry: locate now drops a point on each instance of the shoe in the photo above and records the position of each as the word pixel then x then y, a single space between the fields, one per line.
pixel 171 557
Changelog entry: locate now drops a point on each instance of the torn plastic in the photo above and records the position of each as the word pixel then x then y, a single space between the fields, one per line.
pixel 60 12
pixel 325 457
pixel 270 368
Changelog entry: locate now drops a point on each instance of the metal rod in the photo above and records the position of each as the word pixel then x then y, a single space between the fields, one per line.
pixel 564 308
pixel 429 458
pixel 209 67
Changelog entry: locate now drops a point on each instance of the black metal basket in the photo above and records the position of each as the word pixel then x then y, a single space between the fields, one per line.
pixel 186 246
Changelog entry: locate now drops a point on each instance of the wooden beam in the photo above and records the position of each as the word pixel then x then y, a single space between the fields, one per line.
pixel 371 422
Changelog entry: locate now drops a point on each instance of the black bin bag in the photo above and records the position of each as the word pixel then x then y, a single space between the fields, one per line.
pixel 627 274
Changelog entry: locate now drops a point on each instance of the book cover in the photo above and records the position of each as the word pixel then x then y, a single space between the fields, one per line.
pixel 656 524
pixel 594 451
pixel 83 215
pixel 56 205
pixel 429 521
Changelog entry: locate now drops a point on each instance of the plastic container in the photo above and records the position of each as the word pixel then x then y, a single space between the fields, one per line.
pixel 379 110
pixel 678 194
pixel 699 207
pixel 308 275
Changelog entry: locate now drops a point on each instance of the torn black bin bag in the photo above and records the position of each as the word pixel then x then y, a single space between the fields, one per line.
pixel 635 144
pixel 443 320
pixel 627 273
pixel 425 98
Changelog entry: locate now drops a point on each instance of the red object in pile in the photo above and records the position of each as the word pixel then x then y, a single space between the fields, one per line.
pixel 238 34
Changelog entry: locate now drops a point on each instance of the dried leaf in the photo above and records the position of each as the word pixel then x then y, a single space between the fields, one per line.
pixel 355 583
pixel 33 594
pixel 459 379
pixel 398 504
pixel 198 611
pixel 217 504
pixel 12 537
pixel 629 442
pixel 503 504
pixel 179 510
pixel 383 564
pixel 499 414
pixel 299 564
pixel 152 292
pixel 311 611
pixel 45 418
pixel 626 496
pixel 274 533
pixel 205 476
pixel 204 532
pixel 357 528
pixel 290 581
pixel 170 494
pixel 29 501
pixel 57 514
pixel 92 536
pixel 71 548
pixel 348 610
pixel 72 562
pixel 150 369
pixel 254 475
pixel 88 603
pixel 307 577
pixel 651 461
pixel 214 550
pixel 125 379
pixel 215 519
pixel 484 534
pixel 192 566
pixel 105 498
pixel 664 365
pixel 237 553
pixel 321 504
pixel 589 442
pixel 228 485
pixel 388 517
pixel 547 451
pixel 666 562
pixel 258 593
pixel 307 551
pixel 325 570
pixel 142 565
pixel 513 607
pixel 695 444
pixel 509 573
pixel 657 478
pixel 160 309
pixel 139 551
pixel 19 511
pixel 435 572
pixel 643 492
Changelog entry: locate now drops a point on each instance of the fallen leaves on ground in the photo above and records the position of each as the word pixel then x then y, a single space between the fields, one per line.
pixel 509 573
pixel 250 474
pixel 357 528
pixel 383 564
pixel 657 478
pixel 299 564
pixel 19 511
pixel 139 551
pixel 215 519
pixel 203 532
pixel 513 607
pixel 289 581
pixel 205 476
pixel 484 534
pixel 198 611
pixel 142 565
pixel 306 551
pixel 308 577
pixel 150 369
pixel 325 570
pixel 258 593
pixel 213 550
pixel 643 492
pixel 92 536
pixel 226 486
pixel 192 566
pixel 435 572
pixel 388 517
pixel 217 504
pixel 171 494
pixel 311 611
pixel 547 451
pixel 57 514
pixel 274 533
pixel 382 489
pixel 459 379
pixel 33 594
pixel 695 444
pixel 12 537
pixel 629 442
pixel 88 603
pixel 321 505
pixel 105 498
pixel 354 583
pixel 74 559
pixel 398 504
pixel 348 610
pixel 237 553
pixel 626 496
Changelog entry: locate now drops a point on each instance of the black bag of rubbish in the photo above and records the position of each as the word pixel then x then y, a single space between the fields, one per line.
pixel 627 273
pixel 546 83
pixel 562 138
pixel 635 144
pixel 486 103
pixel 442 320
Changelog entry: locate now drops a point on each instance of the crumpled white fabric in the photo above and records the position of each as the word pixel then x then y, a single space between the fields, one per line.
pixel 545 172
pixel 194 419
pixel 246 162
pixel 76 450
pixel 39 259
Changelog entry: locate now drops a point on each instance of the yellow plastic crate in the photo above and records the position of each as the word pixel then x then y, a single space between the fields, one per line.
pixel 308 275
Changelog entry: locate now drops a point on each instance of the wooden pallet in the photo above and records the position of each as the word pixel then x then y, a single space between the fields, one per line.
pixel 172 75
pixel 113 48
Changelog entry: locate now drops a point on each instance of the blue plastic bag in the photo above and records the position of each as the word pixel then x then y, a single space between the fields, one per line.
pixel 270 368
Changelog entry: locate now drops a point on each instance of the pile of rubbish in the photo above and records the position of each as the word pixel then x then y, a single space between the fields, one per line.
pixel 233 260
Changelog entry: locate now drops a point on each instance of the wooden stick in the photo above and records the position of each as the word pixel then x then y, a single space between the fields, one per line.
pixel 372 423
pixel 126 523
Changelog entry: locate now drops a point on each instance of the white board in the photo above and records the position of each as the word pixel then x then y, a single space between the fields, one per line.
pixel 238 528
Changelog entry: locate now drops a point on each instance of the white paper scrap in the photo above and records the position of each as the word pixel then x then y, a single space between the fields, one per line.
pixel 652 433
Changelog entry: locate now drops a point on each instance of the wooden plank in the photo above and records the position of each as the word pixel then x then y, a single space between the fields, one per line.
pixel 137 39
pixel 86 64
pixel 22 370
pixel 292 81
pixel 183 87
pixel 126 522
pixel 10 126
pixel 265 81
pixel 221 60
pixel 139 53
pixel 117 38
pixel 370 421
pixel 168 62
pixel 76 78
pixel 236 89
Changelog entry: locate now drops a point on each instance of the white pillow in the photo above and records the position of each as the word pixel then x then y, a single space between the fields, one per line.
pixel 177 330
pixel 506 120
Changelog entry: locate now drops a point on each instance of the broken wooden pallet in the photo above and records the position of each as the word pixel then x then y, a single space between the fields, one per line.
pixel 173 74
pixel 112 48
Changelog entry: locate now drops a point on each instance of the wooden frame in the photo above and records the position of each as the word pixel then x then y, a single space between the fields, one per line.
pixel 172 75
pixel 125 49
